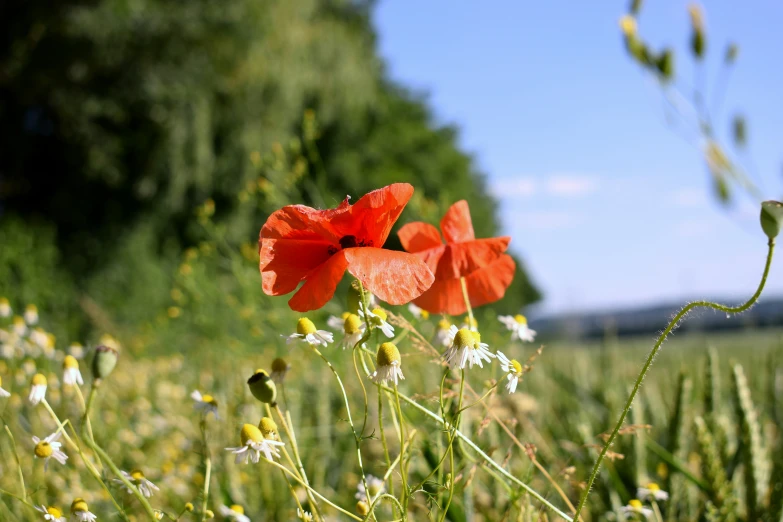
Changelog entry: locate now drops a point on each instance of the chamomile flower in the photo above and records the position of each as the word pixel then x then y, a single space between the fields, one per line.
pixel 77 350
pixel 268 428
pixel 137 478
pixel 374 486
pixel 308 333
pixel 336 323
pixel 71 373
pixel 467 348
pixel 20 327
pixel 417 312
pixel 635 507
pixel 31 314
pixel 279 370
pixel 206 403
pixel 353 327
pixel 377 319
pixel 235 513
pixel 304 516
pixel 518 326
pixel 444 335
pixel 513 370
pixel 37 388
pixel 470 323
pixel 5 307
pixel 253 444
pixel 51 513
pixel 652 491
pixel 3 393
pixel 80 512
pixel 49 448
pixel 388 362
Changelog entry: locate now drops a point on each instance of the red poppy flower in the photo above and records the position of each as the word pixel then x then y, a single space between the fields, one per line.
pixel 299 243
pixel 488 272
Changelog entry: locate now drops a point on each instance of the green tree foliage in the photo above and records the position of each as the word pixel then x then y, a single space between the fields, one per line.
pixel 119 117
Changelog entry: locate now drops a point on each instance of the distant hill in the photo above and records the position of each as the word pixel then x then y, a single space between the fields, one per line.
pixel 647 320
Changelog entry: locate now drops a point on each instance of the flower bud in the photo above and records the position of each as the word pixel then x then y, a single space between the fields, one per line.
pixel 262 387
pixel 771 217
pixel 189 507
pixel 104 361
pixel 362 508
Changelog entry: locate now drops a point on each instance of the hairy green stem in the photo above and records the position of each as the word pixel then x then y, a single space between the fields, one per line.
pixel 672 324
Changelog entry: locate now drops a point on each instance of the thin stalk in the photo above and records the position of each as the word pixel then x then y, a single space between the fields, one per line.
pixel 405 493
pixel 207 467
pixel 377 501
pixel 452 436
pixel 86 424
pixel 18 463
pixel 467 300
pixel 672 324
pixel 383 437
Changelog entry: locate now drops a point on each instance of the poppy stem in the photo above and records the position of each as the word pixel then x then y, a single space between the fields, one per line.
pixel 672 325
pixel 467 300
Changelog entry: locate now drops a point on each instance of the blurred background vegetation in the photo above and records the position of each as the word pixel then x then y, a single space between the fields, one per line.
pixel 119 117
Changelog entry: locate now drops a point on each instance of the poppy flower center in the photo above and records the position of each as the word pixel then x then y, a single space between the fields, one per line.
pixel 350 241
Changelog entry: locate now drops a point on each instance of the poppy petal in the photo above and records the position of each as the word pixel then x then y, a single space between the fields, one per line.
pixel 372 217
pixel 320 284
pixel 303 222
pixel 462 259
pixel 418 236
pixel 484 286
pixel 456 225
pixel 284 263
pixel 395 277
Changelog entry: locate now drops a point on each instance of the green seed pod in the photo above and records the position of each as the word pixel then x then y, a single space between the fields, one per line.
pixel 104 361
pixel 771 216
pixel 262 387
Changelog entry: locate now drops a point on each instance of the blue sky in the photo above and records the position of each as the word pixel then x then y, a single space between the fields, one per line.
pixel 606 203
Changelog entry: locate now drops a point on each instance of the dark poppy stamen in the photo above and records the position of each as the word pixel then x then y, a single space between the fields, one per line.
pixel 348 242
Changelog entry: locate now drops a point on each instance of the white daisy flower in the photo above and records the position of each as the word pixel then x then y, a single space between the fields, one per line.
pixel 235 513
pixel 49 448
pixel 5 307
pixel 71 373
pixel 31 314
pixel 77 350
pixel 375 487
pixel 353 328
pixel 304 516
pixel 279 370
pixel 20 327
pixel 518 326
pixel 336 323
pixel 444 335
pixel 377 319
pixel 308 333
pixel 253 444
pixel 137 478
pixel 80 512
pixel 513 370
pixel 206 403
pixel 652 492
pixel 51 513
pixel 388 362
pixel 3 393
pixel 37 389
pixel 467 348
pixel 417 312
pixel 39 337
pixel 635 507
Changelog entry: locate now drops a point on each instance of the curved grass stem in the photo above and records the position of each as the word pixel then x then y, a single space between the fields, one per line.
pixel 672 324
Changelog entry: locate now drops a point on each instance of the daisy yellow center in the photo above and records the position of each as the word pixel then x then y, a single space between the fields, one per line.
pixel 70 362
pixel 1 381
pixel 56 513
pixel 79 505
pixel 380 315
pixel 465 338
pixel 39 380
pixel 208 399
pixel 425 314
pixel 387 354
pixel 4 302
pixel 279 365
pixel 652 486
pixel 137 475
pixel 635 503
pixel 267 426
pixel 305 326
pixel 31 309
pixel 443 324
pixel 517 367
pixel 352 324
pixel 236 508
pixel 250 433
pixel 18 321
pixel 43 450
pixel 344 315
pixel 628 25
pixel 521 319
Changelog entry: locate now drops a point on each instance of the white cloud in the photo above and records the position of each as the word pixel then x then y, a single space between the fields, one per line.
pixel 571 185
pixel 514 187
